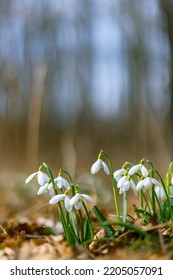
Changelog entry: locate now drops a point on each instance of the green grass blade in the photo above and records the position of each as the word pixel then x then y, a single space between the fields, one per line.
pixel 107 227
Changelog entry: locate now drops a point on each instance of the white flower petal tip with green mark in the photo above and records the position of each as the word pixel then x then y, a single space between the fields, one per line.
pixel 138 167
pixel 60 197
pixel 99 164
pixel 75 200
pixel 61 182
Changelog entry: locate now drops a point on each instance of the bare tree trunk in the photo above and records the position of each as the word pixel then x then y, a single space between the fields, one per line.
pixel 167 8
pixel 34 115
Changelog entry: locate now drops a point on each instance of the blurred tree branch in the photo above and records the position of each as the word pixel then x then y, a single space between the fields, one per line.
pixel 167 9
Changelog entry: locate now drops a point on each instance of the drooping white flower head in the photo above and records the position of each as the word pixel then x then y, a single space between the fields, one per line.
pixel 42 178
pixel 48 187
pixel 76 200
pixel 160 192
pixel 147 183
pixel 60 197
pixel 125 183
pixel 99 164
pixel 43 189
pixel 61 182
pixel 51 189
pixel 118 174
pixel 138 167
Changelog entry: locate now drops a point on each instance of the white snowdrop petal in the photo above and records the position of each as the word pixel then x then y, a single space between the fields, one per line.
pixel 125 187
pixel 30 177
pixel 105 168
pixel 160 192
pixel 66 184
pixel 122 181
pixel 56 198
pixel 147 183
pixel 42 189
pixel 134 169
pixel 133 187
pixel 96 166
pixel 155 182
pixel 67 203
pixel 42 178
pixel 87 197
pixel 59 182
pixel 78 205
pixel 139 185
pixel 118 173
pixel 144 171
pixel 74 199
pixel 51 190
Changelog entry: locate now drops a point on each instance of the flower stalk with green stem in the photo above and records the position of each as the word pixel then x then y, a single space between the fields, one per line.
pixel 67 232
pixel 101 154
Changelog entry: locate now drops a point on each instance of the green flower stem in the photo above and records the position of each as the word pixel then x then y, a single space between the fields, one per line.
pixel 141 199
pixel 153 201
pixel 113 183
pixel 61 214
pixel 89 219
pixel 73 187
pixel 124 207
pixel 51 176
pixel 68 175
pixel 146 201
pixel 81 222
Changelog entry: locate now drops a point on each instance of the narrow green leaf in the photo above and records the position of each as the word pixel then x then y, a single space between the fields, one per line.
pixel 130 226
pixel 87 231
pixel 107 227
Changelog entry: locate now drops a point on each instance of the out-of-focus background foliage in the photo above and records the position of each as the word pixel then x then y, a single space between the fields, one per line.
pixel 80 76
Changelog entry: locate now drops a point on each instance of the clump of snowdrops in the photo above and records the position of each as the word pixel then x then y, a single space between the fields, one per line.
pixel 154 193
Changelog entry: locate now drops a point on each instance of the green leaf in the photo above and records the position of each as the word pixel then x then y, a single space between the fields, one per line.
pixel 131 227
pixel 168 177
pixel 49 230
pixel 108 228
pixel 87 231
pixel 48 170
pixel 68 234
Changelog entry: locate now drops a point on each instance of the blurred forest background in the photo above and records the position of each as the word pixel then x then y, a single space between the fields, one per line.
pixel 80 76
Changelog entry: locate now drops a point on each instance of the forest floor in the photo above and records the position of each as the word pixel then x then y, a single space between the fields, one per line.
pixel 23 237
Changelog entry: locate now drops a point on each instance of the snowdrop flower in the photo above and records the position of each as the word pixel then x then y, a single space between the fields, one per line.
pixel 42 177
pixel 118 174
pixel 61 182
pixel 147 183
pixel 160 192
pixel 60 197
pixel 76 200
pixel 99 164
pixel 125 183
pixel 48 187
pixel 138 167
pixel 43 189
